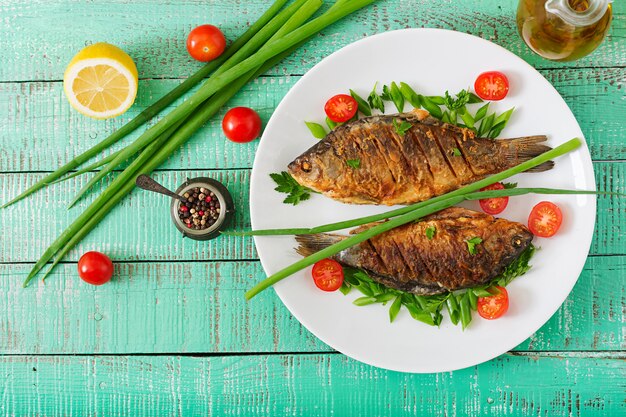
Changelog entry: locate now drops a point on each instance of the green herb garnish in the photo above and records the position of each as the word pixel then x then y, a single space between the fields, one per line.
pixel 471 244
pixel 375 101
pixel 430 232
pixel 401 127
pixel 397 97
pixel 364 107
pixel 410 95
pixel 462 98
pixel 354 163
pixel 317 130
pixel 509 185
pixel 286 184
pixel 386 95
pixel 331 124
pixel 427 309
pixel 456 152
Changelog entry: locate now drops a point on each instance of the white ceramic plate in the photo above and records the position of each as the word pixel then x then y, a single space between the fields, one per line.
pixel 431 61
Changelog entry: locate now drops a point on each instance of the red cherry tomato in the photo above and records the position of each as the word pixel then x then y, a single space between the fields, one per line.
pixel 494 205
pixel 328 275
pixel 241 124
pixel 95 268
pixel 491 85
pixel 495 306
pixel 205 43
pixel 545 219
pixel 341 108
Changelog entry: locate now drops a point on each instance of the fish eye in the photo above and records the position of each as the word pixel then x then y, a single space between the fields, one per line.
pixel 517 241
pixel 306 166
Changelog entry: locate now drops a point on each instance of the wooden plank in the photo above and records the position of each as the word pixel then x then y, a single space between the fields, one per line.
pixel 199 307
pixel 308 385
pixel 36 116
pixel 140 226
pixel 41 37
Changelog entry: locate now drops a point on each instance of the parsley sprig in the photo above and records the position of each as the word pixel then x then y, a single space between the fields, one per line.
pixel 296 193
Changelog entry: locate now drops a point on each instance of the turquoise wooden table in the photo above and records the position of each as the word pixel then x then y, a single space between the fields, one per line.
pixel 172 334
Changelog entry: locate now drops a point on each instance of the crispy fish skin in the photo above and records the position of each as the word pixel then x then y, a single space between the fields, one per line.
pixel 405 259
pixel 430 159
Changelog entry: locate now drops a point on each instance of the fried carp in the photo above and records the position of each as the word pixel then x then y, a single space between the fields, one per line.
pixel 370 160
pixel 409 259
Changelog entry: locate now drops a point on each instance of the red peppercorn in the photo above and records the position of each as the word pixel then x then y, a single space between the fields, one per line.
pixel 184 208
pixel 208 199
pixel 201 213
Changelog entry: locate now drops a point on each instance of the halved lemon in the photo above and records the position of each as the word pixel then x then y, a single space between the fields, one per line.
pixel 101 81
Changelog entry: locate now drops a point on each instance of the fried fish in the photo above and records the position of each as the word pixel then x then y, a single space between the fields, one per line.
pixel 372 161
pixel 410 259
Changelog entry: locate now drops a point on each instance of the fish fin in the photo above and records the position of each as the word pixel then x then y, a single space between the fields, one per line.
pixel 310 244
pixel 523 149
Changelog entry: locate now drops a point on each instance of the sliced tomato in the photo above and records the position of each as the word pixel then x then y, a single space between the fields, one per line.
pixel 341 108
pixel 491 85
pixel 494 205
pixel 494 306
pixel 328 275
pixel 545 219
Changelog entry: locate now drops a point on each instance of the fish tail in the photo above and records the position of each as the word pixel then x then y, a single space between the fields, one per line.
pixel 519 150
pixel 310 244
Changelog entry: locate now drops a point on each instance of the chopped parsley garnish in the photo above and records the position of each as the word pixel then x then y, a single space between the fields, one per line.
pixel 401 127
pixel 375 101
pixel 354 163
pixel 386 95
pixel 471 244
pixel 462 98
pixel 456 152
pixel 430 232
pixel 509 185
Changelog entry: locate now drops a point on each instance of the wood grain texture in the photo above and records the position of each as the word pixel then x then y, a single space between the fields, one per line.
pixel 36 116
pixel 308 385
pixel 154 34
pixel 199 307
pixel 169 298
pixel 139 228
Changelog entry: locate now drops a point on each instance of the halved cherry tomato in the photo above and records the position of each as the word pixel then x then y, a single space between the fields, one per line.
pixel 493 205
pixel 545 219
pixel 241 124
pixel 328 275
pixel 491 85
pixel 341 108
pixel 495 306
pixel 95 268
pixel 205 43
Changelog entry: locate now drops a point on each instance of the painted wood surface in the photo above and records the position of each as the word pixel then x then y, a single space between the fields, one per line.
pixel 308 385
pixel 216 354
pixel 155 34
pixel 179 307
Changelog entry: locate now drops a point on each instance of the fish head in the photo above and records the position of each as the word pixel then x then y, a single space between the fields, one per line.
pixel 315 167
pixel 508 240
pixel 306 170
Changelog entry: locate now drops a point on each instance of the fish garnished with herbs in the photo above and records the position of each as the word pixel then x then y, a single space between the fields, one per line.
pixel 452 249
pixel 406 158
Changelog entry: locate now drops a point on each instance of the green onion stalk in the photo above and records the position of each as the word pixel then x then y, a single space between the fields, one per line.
pixel 406 215
pixel 149 160
pixel 155 108
pixel 286 21
pixel 214 84
pixel 546 156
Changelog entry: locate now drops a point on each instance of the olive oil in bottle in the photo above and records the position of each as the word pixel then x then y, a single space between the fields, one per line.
pixel 563 30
